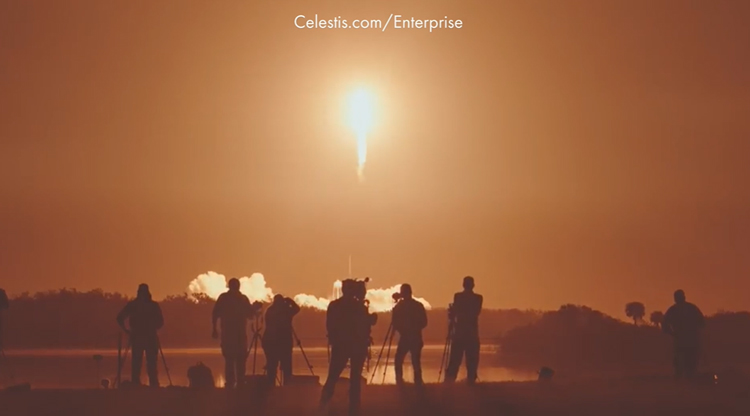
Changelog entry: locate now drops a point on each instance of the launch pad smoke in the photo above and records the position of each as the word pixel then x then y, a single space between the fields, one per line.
pixel 213 284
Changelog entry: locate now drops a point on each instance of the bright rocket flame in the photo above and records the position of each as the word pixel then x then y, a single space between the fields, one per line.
pixel 360 120
pixel 213 284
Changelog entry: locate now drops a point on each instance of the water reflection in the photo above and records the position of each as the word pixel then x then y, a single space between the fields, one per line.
pixel 78 368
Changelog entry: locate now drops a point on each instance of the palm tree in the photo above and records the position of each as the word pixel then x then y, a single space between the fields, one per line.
pixel 635 310
pixel 656 318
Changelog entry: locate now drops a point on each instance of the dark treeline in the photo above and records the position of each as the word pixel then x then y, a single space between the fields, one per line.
pixel 582 338
pixel 72 319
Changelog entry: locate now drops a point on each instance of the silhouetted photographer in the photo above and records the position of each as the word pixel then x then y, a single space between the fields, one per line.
pixel 4 305
pixel 409 319
pixel 234 310
pixel 464 317
pixel 278 341
pixel 348 323
pixel 683 321
pixel 145 319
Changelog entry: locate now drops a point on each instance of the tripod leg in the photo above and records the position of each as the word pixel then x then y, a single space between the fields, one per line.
pixel 164 360
pixel 387 356
pixel 442 360
pixel 299 344
pixel 119 358
pixel 8 366
pixel 446 352
pixel 380 354
pixel 124 360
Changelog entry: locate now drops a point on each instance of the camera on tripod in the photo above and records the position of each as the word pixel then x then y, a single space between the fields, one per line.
pixel 358 288
pixel 451 312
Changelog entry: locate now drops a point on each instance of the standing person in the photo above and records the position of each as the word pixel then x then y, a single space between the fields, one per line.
pixel 683 321
pixel 234 310
pixel 277 338
pixel 409 319
pixel 464 314
pixel 348 323
pixel 4 304
pixel 144 319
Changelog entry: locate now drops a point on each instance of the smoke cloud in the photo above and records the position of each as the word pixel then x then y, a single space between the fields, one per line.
pixel 213 284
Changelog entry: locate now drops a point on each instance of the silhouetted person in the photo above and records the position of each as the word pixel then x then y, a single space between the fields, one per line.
pixel 409 319
pixel 4 304
pixel 464 315
pixel 277 338
pixel 233 309
pixel 348 323
pixel 683 321
pixel 144 318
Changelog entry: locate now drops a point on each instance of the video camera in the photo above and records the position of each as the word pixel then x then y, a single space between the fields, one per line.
pixel 357 288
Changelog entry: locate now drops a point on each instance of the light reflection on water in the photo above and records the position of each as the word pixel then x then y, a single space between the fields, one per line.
pixel 78 369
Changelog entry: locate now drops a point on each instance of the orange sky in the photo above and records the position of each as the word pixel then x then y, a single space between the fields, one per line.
pixel 559 151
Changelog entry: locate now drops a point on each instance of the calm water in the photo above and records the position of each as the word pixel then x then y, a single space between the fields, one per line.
pixel 78 369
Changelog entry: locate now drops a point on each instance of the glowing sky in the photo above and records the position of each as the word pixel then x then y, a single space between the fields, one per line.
pixel 591 153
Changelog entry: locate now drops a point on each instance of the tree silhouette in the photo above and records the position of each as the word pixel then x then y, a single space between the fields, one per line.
pixel 656 318
pixel 635 310
pixel 69 318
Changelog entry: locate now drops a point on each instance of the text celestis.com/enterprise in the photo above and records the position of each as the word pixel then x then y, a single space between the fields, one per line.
pixel 393 21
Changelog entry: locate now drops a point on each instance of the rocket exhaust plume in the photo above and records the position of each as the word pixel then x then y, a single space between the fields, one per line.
pixel 360 120
pixel 362 155
pixel 213 284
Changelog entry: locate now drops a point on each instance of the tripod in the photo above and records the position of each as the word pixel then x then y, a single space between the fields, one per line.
pixel 299 344
pixel 256 339
pixel 121 360
pixel 164 360
pixel 6 362
pixel 388 340
pixel 447 349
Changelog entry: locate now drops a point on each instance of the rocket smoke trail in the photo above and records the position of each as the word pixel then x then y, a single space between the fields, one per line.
pixel 362 154
pixel 360 119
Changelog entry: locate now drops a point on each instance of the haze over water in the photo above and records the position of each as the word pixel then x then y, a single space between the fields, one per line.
pixel 76 368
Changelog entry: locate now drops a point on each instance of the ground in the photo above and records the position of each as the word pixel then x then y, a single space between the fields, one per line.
pixel 600 398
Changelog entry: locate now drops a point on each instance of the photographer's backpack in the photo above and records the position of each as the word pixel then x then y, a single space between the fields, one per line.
pixel 200 376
